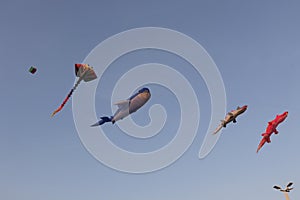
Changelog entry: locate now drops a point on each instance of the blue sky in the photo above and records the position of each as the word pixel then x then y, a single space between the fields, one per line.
pixel 255 46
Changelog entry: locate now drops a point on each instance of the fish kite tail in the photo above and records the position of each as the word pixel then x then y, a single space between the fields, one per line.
pixel 264 134
pixel 102 121
pixel 218 129
pixel 261 144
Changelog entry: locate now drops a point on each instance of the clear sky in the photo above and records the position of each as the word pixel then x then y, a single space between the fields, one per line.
pixel 255 45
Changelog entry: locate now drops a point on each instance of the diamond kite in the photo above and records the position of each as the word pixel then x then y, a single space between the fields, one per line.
pixel 84 72
pixel 32 69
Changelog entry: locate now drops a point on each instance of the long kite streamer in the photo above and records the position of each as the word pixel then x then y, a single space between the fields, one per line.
pixel 84 72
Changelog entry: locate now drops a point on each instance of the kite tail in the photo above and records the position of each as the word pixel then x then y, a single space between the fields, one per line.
pixel 102 121
pixel 67 98
pixel 77 83
pixel 261 144
pixel 218 129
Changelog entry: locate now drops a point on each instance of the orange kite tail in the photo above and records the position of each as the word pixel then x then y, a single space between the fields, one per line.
pixel 56 111
pixel 63 104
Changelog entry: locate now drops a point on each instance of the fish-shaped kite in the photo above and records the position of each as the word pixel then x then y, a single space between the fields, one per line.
pixel 231 117
pixel 84 72
pixel 271 128
pixel 126 107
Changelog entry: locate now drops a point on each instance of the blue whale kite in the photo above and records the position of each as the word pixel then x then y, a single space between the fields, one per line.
pixel 126 107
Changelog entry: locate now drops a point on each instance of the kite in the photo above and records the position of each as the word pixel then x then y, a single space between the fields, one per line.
pixel 126 107
pixel 32 69
pixel 271 128
pixel 286 190
pixel 84 72
pixel 231 117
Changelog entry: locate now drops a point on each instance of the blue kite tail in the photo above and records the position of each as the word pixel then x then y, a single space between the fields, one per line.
pixel 102 121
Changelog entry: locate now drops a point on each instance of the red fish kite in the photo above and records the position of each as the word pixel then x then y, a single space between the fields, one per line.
pixel 231 117
pixel 84 72
pixel 271 128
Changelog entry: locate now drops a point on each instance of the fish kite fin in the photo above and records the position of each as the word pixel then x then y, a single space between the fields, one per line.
pixel 230 114
pixel 234 120
pixel 122 104
pixel 102 121
pixel 270 123
pixel 265 135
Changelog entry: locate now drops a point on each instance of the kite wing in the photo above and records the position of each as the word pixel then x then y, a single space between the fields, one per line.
pixel 277 187
pixel 90 75
pixel 289 184
pixel 85 72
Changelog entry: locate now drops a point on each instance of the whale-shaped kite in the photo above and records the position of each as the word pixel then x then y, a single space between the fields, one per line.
pixel 127 107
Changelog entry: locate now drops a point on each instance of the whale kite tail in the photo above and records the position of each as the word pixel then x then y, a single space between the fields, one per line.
pixel 102 121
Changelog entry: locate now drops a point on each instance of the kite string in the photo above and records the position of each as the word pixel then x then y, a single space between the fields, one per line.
pixel 286 196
